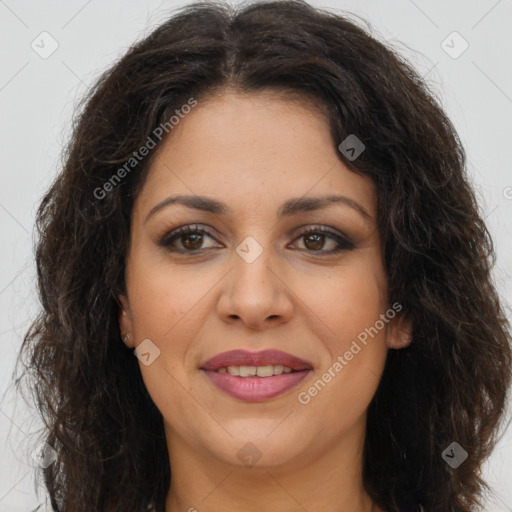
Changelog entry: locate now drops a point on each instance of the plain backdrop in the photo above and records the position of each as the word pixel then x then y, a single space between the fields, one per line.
pixel 470 71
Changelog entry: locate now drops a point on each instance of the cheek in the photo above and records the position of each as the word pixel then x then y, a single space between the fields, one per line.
pixel 166 306
pixel 348 306
pixel 163 299
pixel 347 301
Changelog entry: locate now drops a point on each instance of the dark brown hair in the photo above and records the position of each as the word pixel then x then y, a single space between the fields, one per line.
pixel 449 385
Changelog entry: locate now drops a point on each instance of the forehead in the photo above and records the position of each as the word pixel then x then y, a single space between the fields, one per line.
pixel 249 150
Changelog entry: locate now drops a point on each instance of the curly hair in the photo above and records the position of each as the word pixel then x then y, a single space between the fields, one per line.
pixel 449 385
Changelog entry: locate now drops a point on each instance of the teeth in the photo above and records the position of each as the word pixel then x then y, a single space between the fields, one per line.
pixel 252 371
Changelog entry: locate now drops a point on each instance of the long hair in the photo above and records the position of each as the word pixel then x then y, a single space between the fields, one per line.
pixel 450 385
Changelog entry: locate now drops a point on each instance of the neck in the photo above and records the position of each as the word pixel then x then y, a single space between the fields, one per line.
pixel 330 481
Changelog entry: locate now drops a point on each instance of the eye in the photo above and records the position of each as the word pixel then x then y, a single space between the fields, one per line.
pixel 191 238
pixel 314 240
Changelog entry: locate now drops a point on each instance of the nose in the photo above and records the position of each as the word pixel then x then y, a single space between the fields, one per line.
pixel 255 293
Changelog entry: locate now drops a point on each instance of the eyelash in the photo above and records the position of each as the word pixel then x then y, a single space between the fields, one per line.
pixel 344 244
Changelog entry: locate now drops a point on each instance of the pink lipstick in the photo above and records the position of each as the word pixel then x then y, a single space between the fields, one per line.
pixel 255 376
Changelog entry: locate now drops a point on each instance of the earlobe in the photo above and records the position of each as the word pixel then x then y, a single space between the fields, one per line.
pixel 399 332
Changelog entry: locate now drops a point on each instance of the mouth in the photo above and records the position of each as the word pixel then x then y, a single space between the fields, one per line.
pixel 255 376
pixel 264 358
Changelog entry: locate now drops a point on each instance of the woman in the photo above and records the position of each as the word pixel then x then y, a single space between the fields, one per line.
pixel 269 209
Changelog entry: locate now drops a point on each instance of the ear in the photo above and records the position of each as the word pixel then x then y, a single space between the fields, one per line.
pixel 125 321
pixel 399 331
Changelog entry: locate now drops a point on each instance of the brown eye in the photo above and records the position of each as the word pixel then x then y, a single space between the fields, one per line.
pixel 314 241
pixel 191 239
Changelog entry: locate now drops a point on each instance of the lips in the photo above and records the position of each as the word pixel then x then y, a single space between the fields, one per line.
pixel 225 370
pixel 263 358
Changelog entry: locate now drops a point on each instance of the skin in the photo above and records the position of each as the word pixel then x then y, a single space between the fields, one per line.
pixel 253 152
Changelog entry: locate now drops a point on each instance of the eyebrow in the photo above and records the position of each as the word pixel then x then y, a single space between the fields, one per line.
pixel 287 209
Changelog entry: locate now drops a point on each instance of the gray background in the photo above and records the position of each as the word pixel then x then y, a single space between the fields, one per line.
pixel 37 97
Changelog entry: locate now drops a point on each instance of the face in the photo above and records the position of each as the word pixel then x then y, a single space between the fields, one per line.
pixel 308 282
